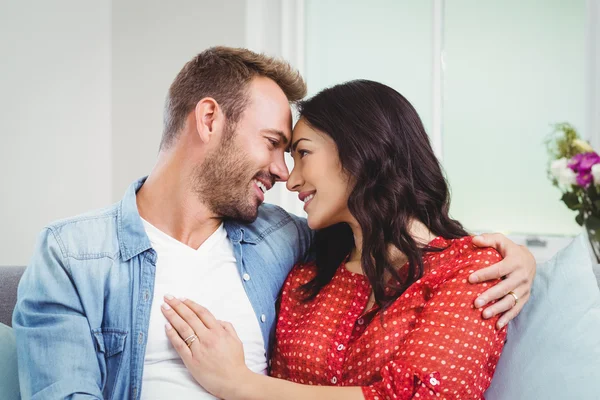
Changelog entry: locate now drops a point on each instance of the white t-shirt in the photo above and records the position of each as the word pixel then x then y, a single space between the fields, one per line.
pixel 208 276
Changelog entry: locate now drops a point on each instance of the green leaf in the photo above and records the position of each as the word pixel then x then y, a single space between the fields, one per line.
pixel 592 193
pixel 594 236
pixel 579 219
pixel 571 200
pixel 592 222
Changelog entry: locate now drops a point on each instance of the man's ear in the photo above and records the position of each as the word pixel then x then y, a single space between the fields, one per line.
pixel 209 118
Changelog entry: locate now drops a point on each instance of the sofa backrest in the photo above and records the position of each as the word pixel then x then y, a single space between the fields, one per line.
pixel 553 346
pixel 9 280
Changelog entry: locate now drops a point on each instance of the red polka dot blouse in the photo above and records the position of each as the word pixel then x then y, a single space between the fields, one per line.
pixel 431 342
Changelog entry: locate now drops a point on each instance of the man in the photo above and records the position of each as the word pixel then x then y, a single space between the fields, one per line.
pixel 88 321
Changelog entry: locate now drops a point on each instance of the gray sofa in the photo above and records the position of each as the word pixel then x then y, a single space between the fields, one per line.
pixel 9 381
pixel 9 279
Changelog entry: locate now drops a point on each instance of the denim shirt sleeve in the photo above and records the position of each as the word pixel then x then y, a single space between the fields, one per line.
pixel 55 348
pixel 306 240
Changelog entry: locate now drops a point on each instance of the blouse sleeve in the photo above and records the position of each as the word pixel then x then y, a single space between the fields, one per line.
pixel 451 352
pixel 298 276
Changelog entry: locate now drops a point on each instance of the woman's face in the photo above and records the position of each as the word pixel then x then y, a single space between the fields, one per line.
pixel 318 177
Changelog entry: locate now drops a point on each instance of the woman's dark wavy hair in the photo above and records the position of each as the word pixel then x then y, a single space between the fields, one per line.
pixel 386 153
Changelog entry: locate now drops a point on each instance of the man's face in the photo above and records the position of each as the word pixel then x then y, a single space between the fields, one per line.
pixel 234 177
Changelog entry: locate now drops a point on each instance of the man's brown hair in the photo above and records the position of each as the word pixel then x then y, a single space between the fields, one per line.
pixel 224 73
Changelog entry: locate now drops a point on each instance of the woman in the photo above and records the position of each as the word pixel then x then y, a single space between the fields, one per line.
pixel 386 310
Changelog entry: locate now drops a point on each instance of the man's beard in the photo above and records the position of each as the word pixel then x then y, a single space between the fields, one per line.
pixel 223 182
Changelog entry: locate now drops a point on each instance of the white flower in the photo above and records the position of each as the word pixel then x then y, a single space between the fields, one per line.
pixel 557 167
pixel 596 173
pixel 563 174
pixel 567 177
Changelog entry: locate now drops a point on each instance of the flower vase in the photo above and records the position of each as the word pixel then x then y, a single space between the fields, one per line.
pixel 593 237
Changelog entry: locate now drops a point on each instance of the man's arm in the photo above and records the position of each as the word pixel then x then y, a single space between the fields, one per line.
pixel 55 348
pixel 306 238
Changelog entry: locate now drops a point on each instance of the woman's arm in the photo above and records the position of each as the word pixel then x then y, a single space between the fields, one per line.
pixel 261 387
pixel 448 352
pixel 216 359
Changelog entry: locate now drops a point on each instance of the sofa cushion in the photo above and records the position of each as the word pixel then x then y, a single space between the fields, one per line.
pixel 553 346
pixel 9 379
pixel 9 280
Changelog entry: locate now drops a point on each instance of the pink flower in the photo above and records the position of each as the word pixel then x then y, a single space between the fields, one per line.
pixel 584 161
pixel 584 179
pixel 582 165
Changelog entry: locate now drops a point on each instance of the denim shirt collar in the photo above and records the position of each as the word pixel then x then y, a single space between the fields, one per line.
pixel 133 239
pixel 132 235
pixel 237 233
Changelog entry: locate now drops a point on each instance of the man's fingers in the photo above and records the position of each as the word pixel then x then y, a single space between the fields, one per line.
pixel 494 271
pixel 496 240
pixel 481 240
pixel 497 291
pixel 512 313
pixel 508 308
pixel 501 306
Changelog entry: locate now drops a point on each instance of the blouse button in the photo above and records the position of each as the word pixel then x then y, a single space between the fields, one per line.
pixel 263 318
pixel 334 380
pixel 246 277
pixel 340 347
pixel 434 382
pixel 361 321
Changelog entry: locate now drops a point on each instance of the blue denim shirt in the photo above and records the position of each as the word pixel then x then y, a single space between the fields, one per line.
pixel 81 319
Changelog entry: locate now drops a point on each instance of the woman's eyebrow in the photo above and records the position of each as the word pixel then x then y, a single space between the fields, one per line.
pixel 296 143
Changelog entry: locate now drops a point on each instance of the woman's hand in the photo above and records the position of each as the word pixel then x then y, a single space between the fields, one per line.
pixel 516 270
pixel 210 349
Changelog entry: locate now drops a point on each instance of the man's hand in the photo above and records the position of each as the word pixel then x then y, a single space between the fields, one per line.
pixel 517 270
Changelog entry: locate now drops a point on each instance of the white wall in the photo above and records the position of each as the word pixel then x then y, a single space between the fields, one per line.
pixel 151 41
pixel 54 116
pixel 83 86
pixel 503 88
pixel 592 127
pixel 276 27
